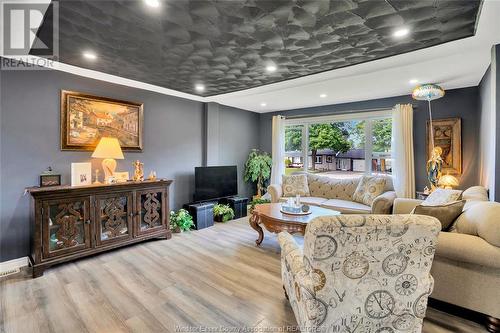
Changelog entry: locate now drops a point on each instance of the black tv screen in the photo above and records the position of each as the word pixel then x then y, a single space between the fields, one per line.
pixel 215 182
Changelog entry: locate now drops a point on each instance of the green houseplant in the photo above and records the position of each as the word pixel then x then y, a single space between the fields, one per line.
pixel 181 220
pixel 223 213
pixel 258 169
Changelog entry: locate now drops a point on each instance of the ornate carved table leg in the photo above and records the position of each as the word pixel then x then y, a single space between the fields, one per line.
pixel 254 223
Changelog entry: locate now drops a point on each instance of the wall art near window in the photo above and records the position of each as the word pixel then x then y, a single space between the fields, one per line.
pixel 86 118
pixel 447 136
pixel 81 174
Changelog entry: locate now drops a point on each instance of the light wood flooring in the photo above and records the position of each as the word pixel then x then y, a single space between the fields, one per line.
pixel 216 278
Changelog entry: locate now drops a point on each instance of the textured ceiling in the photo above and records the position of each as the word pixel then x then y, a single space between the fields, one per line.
pixel 226 45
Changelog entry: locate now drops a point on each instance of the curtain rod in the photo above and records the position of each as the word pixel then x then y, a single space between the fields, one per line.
pixel 340 112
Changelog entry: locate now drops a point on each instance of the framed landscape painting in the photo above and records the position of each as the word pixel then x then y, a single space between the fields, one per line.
pixel 447 136
pixel 86 118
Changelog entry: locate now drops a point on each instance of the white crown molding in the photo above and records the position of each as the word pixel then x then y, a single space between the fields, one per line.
pixel 13 264
pixel 96 75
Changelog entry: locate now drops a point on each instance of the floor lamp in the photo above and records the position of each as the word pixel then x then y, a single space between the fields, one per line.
pixel 429 92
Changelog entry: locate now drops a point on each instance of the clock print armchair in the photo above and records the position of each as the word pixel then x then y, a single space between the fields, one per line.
pixel 360 273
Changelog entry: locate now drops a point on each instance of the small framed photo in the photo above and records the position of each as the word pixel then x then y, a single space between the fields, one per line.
pixel 121 177
pixel 81 174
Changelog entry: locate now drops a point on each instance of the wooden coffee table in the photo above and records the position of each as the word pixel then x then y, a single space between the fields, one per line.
pixel 275 221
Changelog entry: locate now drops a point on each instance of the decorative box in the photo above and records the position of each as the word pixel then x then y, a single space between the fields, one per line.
pixel 50 178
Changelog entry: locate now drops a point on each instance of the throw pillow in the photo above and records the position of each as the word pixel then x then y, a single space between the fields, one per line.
pixel 481 219
pixel 295 184
pixel 368 189
pixel 446 214
pixel 442 196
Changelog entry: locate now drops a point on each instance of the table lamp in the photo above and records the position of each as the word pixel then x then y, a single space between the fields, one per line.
pixel 448 181
pixel 109 149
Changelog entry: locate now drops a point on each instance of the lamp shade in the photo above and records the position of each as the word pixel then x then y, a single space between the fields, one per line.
pixel 427 92
pixel 108 148
pixel 448 181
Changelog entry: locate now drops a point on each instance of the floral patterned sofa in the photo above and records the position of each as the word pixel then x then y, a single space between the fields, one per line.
pixel 361 273
pixel 337 194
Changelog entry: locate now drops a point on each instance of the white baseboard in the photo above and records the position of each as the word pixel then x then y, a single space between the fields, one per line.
pixel 13 264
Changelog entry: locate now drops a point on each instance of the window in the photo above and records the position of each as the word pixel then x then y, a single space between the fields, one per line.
pixel 343 146
pixel 293 148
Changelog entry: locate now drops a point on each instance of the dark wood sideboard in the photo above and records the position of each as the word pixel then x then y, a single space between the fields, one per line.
pixel 73 222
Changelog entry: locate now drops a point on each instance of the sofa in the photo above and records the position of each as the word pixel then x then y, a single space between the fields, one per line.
pixel 337 194
pixel 348 277
pixel 466 266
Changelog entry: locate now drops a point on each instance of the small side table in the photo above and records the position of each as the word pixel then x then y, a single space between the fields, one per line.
pixel 422 195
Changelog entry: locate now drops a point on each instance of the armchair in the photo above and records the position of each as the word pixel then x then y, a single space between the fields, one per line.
pixel 370 272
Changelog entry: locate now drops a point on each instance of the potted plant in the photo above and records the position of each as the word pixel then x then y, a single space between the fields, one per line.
pixel 257 201
pixel 258 169
pixel 223 213
pixel 181 221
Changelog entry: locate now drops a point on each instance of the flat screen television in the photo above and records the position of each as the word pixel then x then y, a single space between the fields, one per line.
pixel 215 182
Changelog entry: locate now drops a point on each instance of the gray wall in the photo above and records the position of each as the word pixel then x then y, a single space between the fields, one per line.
pixel 238 135
pixel 461 103
pixel 497 111
pixel 486 134
pixel 173 142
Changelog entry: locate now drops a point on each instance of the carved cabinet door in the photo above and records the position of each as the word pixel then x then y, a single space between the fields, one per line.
pixel 113 216
pixel 151 208
pixel 65 226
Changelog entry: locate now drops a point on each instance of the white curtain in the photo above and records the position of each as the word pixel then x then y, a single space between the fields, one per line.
pixel 403 164
pixel 278 149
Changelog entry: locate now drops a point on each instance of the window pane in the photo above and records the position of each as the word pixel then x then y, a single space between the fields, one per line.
pixel 337 149
pixel 293 149
pixel 381 152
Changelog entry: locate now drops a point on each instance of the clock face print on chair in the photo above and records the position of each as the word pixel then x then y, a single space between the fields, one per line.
pixel 394 264
pixel 405 322
pixel 420 306
pixel 379 304
pixel 355 266
pixel 406 284
pixel 324 247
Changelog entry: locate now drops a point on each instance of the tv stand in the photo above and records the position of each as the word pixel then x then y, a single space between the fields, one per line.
pixel 203 211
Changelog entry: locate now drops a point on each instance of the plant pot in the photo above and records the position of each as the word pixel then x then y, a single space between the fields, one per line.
pixel 218 218
pixel 177 230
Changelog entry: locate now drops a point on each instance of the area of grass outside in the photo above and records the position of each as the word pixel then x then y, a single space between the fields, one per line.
pixel 289 171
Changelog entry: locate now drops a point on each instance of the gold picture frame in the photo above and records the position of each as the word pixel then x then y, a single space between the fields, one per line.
pixel 86 118
pixel 447 136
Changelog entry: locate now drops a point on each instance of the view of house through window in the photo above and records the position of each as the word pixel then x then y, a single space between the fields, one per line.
pixel 293 148
pixel 340 149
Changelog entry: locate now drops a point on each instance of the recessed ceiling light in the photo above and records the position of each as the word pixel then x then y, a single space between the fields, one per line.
pixel 271 68
pixel 401 32
pixel 263 104
pixel 199 87
pixel 413 81
pixel 152 3
pixel 323 95
pixel 89 55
